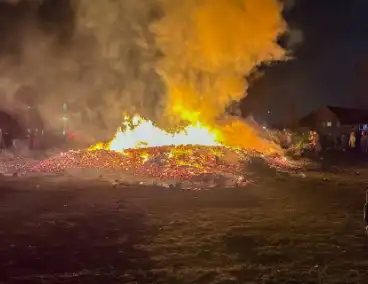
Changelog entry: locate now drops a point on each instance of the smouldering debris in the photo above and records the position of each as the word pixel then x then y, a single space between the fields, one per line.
pixel 177 163
pixel 12 164
pixel 182 167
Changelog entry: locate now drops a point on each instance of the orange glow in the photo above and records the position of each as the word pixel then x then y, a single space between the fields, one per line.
pixel 208 47
pixel 140 133
pixel 137 132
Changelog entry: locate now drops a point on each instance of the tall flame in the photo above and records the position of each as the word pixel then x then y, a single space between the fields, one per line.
pixel 208 47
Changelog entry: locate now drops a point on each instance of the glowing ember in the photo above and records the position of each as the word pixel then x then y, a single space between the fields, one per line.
pixel 174 163
pixel 140 133
pixel 204 166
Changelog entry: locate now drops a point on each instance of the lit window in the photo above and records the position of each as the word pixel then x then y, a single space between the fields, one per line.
pixel 329 123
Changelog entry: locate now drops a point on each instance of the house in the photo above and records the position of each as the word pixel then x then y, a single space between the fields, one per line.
pixel 332 119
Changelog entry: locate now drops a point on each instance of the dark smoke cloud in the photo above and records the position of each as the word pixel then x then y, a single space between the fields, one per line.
pixel 16 1
pixel 126 53
pixel 96 56
pixel 294 37
pixel 289 4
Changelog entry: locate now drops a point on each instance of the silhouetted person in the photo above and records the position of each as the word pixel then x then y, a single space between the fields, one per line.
pixel 30 138
pixel 366 212
pixel 36 140
pixel 2 142
pixel 344 142
pixel 364 142
pixel 352 140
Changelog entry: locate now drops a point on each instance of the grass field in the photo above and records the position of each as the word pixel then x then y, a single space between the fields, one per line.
pixel 281 229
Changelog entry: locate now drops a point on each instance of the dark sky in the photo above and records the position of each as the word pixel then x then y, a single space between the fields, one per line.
pixel 327 65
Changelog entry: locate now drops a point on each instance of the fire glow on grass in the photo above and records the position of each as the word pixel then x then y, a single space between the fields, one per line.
pixel 137 132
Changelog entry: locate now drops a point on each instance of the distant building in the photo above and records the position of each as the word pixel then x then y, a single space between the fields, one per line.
pixel 331 119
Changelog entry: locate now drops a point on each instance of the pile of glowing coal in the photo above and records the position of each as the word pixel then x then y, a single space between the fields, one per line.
pixel 166 163
pixel 180 163
pixel 11 163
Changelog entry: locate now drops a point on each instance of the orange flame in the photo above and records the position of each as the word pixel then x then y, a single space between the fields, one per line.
pixel 141 133
pixel 137 132
pixel 208 47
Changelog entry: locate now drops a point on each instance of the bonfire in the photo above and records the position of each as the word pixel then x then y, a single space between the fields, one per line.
pixel 197 153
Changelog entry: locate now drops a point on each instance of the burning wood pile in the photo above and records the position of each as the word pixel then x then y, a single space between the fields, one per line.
pixel 142 150
pixel 180 163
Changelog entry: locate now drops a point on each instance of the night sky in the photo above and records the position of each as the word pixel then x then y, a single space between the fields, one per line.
pixel 329 65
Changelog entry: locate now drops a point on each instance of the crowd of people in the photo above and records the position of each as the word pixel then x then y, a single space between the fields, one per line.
pixel 34 140
pixel 355 141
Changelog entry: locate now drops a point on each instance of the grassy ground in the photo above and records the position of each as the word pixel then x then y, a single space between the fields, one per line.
pixel 279 230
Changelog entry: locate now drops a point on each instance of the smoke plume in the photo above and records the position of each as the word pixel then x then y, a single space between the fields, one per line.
pixel 167 60
pixel 289 4
pixel 98 58
pixel 209 47
pixel 126 54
